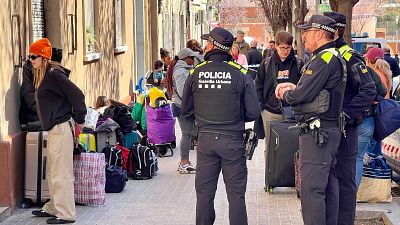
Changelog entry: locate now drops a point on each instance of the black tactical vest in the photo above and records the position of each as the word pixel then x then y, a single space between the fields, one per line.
pixel 217 91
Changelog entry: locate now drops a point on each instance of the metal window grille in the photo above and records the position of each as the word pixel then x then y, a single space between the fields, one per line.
pixel 38 19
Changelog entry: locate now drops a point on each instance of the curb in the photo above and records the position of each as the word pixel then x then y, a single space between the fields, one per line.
pixel 5 212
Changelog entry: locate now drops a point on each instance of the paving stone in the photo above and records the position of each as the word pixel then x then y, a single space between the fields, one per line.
pixel 170 198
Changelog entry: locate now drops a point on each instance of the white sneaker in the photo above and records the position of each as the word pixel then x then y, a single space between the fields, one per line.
pixel 186 168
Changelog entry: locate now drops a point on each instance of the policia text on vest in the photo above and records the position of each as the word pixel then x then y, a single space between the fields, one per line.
pixel 221 97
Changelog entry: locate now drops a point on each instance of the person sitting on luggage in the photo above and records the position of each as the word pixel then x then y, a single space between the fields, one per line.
pixel 282 66
pixel 58 100
pixel 177 74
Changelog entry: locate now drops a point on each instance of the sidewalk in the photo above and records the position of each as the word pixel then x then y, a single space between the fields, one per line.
pixel 170 199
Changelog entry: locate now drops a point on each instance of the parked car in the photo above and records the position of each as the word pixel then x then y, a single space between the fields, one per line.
pixel 391 150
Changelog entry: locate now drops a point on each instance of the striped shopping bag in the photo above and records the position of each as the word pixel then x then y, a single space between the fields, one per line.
pixel 90 179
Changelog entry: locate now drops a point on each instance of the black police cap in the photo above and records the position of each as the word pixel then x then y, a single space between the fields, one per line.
pixel 338 17
pixel 320 22
pixel 220 37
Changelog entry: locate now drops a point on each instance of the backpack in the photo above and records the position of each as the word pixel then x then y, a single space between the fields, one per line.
pixel 387 118
pixel 141 163
pixel 116 179
pixel 113 155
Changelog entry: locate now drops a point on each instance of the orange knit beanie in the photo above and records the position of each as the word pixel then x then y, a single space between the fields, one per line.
pixel 41 47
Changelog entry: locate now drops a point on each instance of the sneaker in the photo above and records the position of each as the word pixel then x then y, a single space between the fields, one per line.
pixel 186 168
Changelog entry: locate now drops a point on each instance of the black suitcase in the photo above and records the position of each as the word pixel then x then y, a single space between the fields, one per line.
pixel 279 166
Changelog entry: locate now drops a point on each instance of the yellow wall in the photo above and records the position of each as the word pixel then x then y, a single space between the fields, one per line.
pixel 112 75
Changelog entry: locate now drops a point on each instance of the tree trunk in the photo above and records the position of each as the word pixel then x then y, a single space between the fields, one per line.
pixel 300 11
pixel 345 7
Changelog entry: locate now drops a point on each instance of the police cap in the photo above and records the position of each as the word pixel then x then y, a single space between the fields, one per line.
pixel 338 17
pixel 320 22
pixel 220 37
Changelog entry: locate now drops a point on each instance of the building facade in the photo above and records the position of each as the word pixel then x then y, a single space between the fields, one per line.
pixel 106 44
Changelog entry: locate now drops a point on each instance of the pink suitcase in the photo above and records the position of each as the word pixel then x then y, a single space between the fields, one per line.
pixel 36 185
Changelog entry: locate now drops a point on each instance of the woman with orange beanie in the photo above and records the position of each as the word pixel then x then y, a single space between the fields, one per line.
pixel 58 100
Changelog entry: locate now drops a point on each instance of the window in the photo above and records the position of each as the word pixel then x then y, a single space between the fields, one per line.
pixel 90 37
pixel 38 22
pixel 90 32
pixel 119 26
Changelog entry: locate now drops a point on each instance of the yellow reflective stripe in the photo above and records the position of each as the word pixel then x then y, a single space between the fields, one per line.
pixel 327 56
pixel 198 65
pixel 344 49
pixel 347 56
pixel 238 66
pixel 234 64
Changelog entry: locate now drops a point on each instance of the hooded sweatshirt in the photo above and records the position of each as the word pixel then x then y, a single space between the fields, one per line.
pixel 283 71
pixel 180 74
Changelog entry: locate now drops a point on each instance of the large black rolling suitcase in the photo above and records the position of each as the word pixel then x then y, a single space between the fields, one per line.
pixel 279 166
pixel 36 185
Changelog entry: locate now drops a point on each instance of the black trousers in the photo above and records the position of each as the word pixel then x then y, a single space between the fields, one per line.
pixel 346 174
pixel 216 152
pixel 319 185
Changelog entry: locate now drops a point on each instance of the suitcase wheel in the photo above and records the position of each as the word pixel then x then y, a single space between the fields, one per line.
pixel 26 203
pixel 298 194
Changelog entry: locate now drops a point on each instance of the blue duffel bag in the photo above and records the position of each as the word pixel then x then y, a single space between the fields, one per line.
pixel 116 179
pixel 387 118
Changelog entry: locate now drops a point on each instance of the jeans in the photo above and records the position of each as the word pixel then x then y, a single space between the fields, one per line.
pixel 375 147
pixel 186 125
pixel 364 132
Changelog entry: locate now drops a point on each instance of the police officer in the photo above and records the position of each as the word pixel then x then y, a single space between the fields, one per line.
pixel 221 97
pixel 317 101
pixel 359 95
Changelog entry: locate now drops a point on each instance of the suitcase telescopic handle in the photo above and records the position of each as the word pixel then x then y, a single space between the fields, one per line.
pixel 44 167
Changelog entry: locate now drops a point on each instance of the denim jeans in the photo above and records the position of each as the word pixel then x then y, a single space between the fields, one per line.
pixel 186 125
pixel 365 132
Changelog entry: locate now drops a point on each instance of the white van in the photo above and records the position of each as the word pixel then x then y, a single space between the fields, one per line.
pixel 362 44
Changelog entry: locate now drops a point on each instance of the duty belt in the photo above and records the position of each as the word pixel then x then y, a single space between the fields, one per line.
pixel 315 127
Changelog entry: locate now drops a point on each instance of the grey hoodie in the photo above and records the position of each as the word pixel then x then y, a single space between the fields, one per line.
pixel 180 74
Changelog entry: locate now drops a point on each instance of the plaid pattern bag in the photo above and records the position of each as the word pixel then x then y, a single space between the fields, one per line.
pixel 90 179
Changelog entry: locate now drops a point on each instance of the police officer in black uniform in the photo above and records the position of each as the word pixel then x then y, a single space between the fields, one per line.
pixel 317 102
pixel 221 97
pixel 359 95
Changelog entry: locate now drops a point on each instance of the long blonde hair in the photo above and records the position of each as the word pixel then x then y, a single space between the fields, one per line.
pixel 39 73
pixel 384 66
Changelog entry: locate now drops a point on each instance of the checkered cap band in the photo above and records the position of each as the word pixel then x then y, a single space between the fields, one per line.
pixel 342 25
pixel 219 45
pixel 323 27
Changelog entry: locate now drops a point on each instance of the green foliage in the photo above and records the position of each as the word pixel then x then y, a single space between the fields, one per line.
pixel 90 37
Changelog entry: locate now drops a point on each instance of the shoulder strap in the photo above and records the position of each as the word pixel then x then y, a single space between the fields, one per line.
pixel 299 62
pixel 267 64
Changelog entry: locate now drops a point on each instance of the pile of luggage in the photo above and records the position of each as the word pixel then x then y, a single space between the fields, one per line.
pixel 110 153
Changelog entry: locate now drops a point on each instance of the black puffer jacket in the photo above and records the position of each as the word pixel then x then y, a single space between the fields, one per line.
pixel 58 99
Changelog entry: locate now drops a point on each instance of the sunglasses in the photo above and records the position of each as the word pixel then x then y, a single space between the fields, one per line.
pixel 33 57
